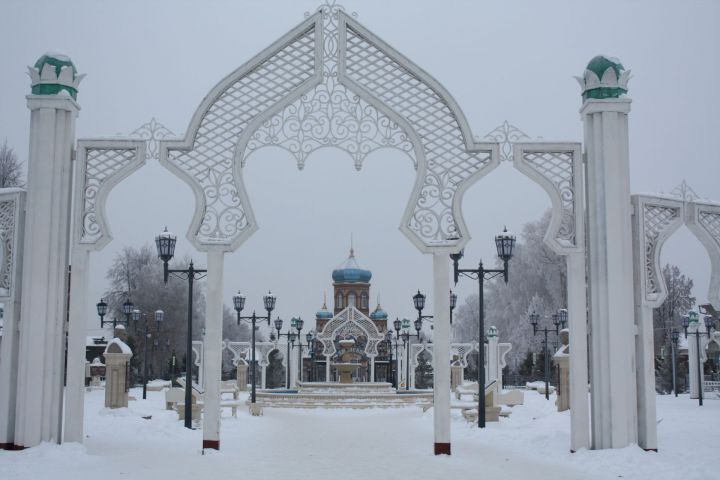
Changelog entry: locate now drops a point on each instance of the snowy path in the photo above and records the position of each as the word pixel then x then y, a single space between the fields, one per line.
pixel 364 444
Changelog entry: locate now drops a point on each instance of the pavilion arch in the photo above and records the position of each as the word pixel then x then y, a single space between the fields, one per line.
pixel 327 81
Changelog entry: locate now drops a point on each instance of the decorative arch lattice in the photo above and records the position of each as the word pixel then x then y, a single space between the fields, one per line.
pixel 329 81
pixel 351 322
pixel 655 219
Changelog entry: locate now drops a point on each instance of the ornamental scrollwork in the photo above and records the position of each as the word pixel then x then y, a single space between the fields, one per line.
pixel 7 241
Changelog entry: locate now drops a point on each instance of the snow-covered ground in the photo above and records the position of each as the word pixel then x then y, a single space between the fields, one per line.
pixel 353 444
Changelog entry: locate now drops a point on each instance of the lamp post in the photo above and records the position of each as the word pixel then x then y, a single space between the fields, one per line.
pixel 453 303
pixel 102 308
pixel 159 316
pixel 674 338
pixel 239 303
pixel 165 243
pixel 397 324
pixel 388 341
pixel 504 243
pixel 534 317
pixel 694 317
pixel 291 342
pixel 299 322
pixel 310 338
pixel 406 335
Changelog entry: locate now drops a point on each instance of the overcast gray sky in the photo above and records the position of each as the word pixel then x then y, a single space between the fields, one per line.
pixel 501 60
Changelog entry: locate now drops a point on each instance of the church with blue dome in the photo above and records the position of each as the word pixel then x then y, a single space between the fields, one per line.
pixel 351 287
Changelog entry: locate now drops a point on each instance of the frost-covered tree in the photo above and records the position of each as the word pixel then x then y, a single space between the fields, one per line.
pixel 538 280
pixel 11 169
pixel 139 272
pixel 666 317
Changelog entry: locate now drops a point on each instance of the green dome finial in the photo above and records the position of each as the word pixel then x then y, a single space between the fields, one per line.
pixel 54 74
pixel 605 77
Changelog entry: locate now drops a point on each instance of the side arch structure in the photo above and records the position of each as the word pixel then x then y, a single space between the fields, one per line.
pixel 558 169
pixel 655 219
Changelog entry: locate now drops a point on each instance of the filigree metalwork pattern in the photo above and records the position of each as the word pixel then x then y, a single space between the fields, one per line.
pixel 448 160
pixel 656 218
pixel 557 167
pixel 711 222
pixel 461 351
pixel 239 350
pixel 351 322
pixel 101 165
pixel 210 162
pixel 152 132
pixel 506 134
pixel 330 115
pixel 7 240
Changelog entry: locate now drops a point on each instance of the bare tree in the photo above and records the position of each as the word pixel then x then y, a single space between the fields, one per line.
pixel 11 169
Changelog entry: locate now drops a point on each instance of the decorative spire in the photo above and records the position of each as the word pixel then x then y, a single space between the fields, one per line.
pixel 604 77
pixel 352 250
pixel 54 74
pixel 324 301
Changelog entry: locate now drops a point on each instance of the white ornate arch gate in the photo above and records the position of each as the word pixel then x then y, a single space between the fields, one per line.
pixel 329 81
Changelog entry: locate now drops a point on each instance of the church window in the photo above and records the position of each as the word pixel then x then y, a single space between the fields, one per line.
pixel 339 301
pixel 351 300
pixel 363 301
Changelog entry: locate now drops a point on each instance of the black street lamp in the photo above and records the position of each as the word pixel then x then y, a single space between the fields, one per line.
pixel 397 324
pixel 102 309
pixel 674 338
pixel 406 335
pixel 388 341
pixel 290 343
pixel 239 303
pixel 298 324
pixel 534 317
pixel 453 304
pixel 165 243
pixel 504 243
pixel 310 338
pixel 694 317
pixel 159 316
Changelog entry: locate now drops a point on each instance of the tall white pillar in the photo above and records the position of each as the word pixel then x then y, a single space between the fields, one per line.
pixel 75 388
pixel 372 368
pixel 441 354
pixel 605 114
pixel 693 358
pixel 577 323
pixel 327 368
pixel 492 357
pixel 45 269
pixel 212 349
pixel 12 226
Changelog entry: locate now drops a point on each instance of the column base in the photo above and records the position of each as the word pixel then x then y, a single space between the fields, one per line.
pixel 214 444
pixel 651 449
pixel 442 449
pixel 11 446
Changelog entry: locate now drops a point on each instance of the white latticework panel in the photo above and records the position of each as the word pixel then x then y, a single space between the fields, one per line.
pixel 656 219
pixel 7 242
pixel 557 168
pixel 711 222
pixel 210 162
pixel 348 324
pixel 101 164
pixel 461 351
pixel 152 132
pixel 448 161
pixel 240 351
pixel 329 115
pixel 506 135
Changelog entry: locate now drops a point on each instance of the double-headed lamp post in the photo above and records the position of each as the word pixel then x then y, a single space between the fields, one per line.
pixel 504 243
pixel 310 338
pixel 102 308
pixel 557 321
pixel 239 303
pixel 388 342
pixel 397 325
pixel 159 316
pixel 298 324
pixel 290 342
pixel 165 243
pixel 694 318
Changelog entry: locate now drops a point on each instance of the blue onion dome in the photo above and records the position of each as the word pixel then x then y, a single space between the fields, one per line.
pixel 324 313
pixel 378 314
pixel 351 272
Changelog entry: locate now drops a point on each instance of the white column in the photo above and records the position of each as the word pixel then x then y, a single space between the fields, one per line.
pixel 492 360
pixel 614 399
pixel 693 359
pixel 578 378
pixel 413 367
pixel 327 369
pixel 75 388
pixel 212 349
pixel 44 292
pixel 441 356
pixel 263 376
pixel 293 367
pixel 8 373
pixel 372 369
